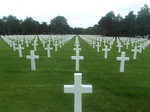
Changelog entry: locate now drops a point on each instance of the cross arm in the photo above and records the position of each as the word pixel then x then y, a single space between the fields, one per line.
pixel 68 88
pixel 87 89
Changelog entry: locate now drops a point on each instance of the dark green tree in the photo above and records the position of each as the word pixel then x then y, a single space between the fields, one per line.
pixel 59 25
pixel 11 25
pixel 143 21
pixel 129 24
pixel 30 26
pixel 107 23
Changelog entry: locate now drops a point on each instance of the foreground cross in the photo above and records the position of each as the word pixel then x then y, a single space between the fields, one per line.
pixel 77 89
pixel 32 57
pixel 122 60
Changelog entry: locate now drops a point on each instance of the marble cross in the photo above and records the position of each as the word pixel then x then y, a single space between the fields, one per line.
pixel 32 57
pixel 122 60
pixel 119 47
pixel 56 46
pixel 78 89
pixel 106 50
pixel 135 51
pixel 48 49
pixel 77 58
pixel 19 48
pixel 98 46
pixel 14 46
pixel 93 43
pixel 35 45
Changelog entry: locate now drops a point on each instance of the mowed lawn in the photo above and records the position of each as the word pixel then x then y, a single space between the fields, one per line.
pixel 42 91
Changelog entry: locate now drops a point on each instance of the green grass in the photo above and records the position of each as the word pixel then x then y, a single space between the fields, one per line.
pixel 42 91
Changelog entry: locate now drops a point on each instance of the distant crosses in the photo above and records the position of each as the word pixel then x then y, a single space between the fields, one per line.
pixel 122 60
pixel 77 50
pixel 140 48
pixel 135 51
pixel 77 57
pixel 35 45
pixel 127 44
pixel 14 46
pixel 56 45
pixel 32 57
pixel 106 50
pixel 78 89
pixel 98 46
pixel 93 43
pixel 48 49
pixel 27 43
pixel 119 47
pixel 60 43
pixel 19 48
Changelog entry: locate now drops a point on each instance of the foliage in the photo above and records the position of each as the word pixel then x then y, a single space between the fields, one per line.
pixel 110 25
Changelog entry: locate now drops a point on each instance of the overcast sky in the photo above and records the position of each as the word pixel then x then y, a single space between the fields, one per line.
pixel 79 13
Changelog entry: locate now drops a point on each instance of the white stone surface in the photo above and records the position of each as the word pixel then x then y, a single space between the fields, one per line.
pixel 122 60
pixel 78 89
pixel 106 50
pixel 48 49
pixel 32 57
pixel 19 48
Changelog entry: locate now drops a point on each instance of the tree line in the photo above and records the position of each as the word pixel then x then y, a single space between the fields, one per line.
pixel 110 25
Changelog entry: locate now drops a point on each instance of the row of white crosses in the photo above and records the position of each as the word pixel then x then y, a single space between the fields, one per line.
pixel 137 44
pixel 77 88
pixel 17 44
pixel 77 57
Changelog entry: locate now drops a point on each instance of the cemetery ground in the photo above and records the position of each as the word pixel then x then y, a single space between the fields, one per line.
pixel 42 91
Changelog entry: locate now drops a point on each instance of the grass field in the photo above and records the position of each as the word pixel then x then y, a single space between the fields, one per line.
pixel 42 91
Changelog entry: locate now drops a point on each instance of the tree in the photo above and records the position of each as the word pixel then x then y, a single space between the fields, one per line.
pixel 11 25
pixel 107 23
pixel 130 24
pixel 59 25
pixel 143 21
pixel 30 26
pixel 44 28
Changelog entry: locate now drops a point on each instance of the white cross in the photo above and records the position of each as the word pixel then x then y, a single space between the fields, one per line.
pixel 122 60
pixel 135 50
pixel 119 47
pixel 77 49
pixel 19 48
pixel 48 49
pixel 14 46
pixel 106 50
pixel 32 57
pixel 27 43
pixel 127 44
pixel 93 43
pixel 98 46
pixel 56 46
pixel 60 43
pixel 140 48
pixel 35 45
pixel 78 89
pixel 77 58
